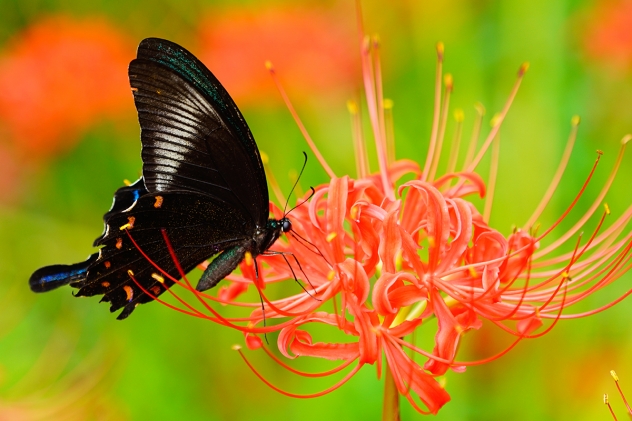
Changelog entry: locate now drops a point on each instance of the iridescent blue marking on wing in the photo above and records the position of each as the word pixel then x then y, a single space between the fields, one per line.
pixel 123 199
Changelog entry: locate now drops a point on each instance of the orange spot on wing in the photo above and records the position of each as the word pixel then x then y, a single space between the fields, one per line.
pixel 129 291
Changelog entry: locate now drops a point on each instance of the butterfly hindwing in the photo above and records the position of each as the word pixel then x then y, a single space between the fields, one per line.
pixel 184 218
pixel 123 199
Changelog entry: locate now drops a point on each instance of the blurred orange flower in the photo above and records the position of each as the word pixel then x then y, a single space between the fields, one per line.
pixel 57 78
pixel 313 49
pixel 609 34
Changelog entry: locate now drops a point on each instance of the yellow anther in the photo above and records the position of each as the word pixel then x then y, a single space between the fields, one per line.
pixel 158 91
pixel 127 182
pixel 523 68
pixel 626 139
pixel 236 347
pixel 480 108
pixel 388 104
pixel 605 399
pixel 473 272
pixel 158 203
pixel 130 273
pixel 614 375
pixel 459 115
pixel 158 278
pixel 431 242
pixel 352 106
pixel 331 275
pixel 376 41
pixel 440 50
pixel 331 236
pixel 575 120
pixel 564 274
pixel 599 152
pixel 495 120
pixel 448 81
pixel 264 157
pixel 353 213
pixel 269 66
pixel 607 208
pixel 248 258
pixel 130 223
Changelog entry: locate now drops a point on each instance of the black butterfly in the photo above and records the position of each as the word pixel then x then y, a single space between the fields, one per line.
pixel 203 187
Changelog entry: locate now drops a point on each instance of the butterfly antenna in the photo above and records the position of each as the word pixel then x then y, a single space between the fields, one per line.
pixel 295 184
pixel 303 202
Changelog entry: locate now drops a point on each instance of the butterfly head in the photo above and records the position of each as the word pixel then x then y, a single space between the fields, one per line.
pixel 286 225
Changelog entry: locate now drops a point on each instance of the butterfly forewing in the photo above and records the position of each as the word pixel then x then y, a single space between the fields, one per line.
pixel 193 135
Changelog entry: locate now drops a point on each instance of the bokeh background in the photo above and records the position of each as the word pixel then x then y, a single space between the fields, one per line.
pixel 69 137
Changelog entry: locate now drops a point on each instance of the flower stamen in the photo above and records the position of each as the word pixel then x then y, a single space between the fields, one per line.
pixel 295 395
pixel 298 121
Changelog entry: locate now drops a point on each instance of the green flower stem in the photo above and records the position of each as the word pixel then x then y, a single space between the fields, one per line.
pixel 390 410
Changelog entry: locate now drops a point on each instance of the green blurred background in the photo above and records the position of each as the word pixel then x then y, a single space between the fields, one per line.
pixel 69 136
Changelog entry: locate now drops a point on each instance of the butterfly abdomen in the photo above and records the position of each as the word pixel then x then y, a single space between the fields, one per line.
pixel 51 277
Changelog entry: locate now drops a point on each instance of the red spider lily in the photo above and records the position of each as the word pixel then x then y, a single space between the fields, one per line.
pixel 64 75
pixel 382 258
pixel 311 46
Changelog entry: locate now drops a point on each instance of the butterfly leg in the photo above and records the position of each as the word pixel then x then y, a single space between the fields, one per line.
pixel 284 254
pixel 222 266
